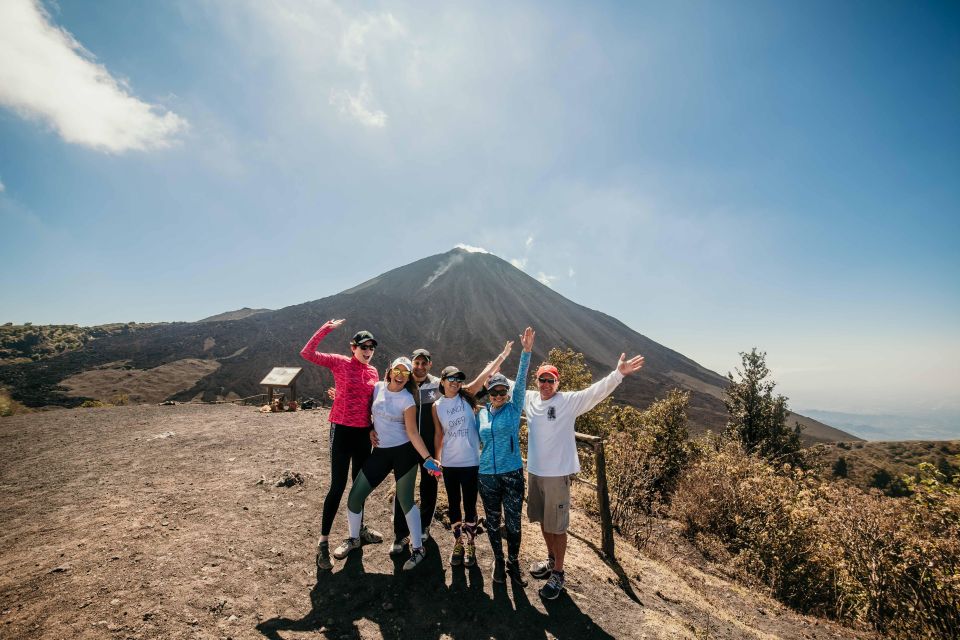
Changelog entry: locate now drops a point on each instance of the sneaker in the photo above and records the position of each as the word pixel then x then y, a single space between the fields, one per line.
pixel 456 558
pixel 499 571
pixel 553 587
pixel 542 569
pixel 415 558
pixel 370 536
pixel 323 556
pixel 346 547
pixel 399 546
pixel 469 555
pixel 516 575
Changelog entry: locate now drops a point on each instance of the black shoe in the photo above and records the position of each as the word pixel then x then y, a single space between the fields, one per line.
pixel 553 587
pixel 323 557
pixel 499 571
pixel 516 575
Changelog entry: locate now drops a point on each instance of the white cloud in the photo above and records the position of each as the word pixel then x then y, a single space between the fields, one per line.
pixel 46 75
pixel 3 187
pixel 519 264
pixel 467 247
pixel 357 106
pixel 545 279
pixel 349 57
pixel 529 242
pixel 571 272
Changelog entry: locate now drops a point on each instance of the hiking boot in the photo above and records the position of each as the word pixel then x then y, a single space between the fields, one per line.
pixel 469 555
pixel 323 557
pixel 553 587
pixel 499 571
pixel 542 569
pixel 516 575
pixel 370 536
pixel 456 558
pixel 346 547
pixel 415 558
pixel 399 546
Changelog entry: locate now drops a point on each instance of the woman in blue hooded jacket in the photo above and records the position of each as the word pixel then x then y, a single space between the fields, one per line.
pixel 501 467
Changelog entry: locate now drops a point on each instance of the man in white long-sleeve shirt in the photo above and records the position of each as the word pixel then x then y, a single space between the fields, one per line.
pixel 552 459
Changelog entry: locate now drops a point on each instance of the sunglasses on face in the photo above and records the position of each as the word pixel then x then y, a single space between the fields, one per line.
pixel 497 393
pixel 546 380
pixel 403 373
pixel 453 379
pixel 366 347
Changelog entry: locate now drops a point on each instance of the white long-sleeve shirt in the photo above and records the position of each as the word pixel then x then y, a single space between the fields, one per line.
pixel 552 445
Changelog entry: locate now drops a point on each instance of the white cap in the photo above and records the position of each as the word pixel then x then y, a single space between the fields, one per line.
pixel 405 361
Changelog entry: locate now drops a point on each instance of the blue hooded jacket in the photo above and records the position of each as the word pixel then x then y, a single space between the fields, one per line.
pixel 500 428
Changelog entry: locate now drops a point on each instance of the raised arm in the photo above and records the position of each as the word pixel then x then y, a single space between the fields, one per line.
pixel 492 367
pixel 310 353
pixel 520 386
pixel 590 397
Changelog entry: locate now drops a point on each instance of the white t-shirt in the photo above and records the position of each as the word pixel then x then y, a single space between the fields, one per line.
pixel 388 407
pixel 551 444
pixel 461 440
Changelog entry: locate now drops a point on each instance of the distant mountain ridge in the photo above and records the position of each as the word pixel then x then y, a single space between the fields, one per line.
pixel 239 314
pixel 460 305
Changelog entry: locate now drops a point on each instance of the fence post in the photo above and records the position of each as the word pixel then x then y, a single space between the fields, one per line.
pixel 603 501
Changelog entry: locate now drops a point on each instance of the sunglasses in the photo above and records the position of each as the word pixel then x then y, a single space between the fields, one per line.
pixel 453 379
pixel 497 393
pixel 403 373
pixel 366 347
pixel 546 380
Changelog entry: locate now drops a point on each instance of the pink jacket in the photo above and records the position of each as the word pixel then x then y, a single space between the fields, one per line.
pixel 354 381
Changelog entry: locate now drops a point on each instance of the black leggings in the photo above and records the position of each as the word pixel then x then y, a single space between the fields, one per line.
pixel 461 481
pixel 347 444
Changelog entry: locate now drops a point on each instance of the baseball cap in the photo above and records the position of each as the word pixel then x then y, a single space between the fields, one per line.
pixel 422 352
pixel 497 380
pixel 402 360
pixel 363 336
pixel 548 369
pixel 452 371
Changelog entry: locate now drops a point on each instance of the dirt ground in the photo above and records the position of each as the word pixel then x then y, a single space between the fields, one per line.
pixel 165 522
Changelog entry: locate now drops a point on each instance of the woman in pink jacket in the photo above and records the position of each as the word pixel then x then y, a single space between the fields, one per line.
pixel 350 424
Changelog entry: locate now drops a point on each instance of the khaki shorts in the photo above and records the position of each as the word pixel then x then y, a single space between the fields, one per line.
pixel 548 502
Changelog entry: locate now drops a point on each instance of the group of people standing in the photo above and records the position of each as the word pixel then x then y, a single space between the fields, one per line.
pixel 413 420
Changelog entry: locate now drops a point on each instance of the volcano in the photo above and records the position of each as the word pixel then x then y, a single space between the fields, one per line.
pixel 461 305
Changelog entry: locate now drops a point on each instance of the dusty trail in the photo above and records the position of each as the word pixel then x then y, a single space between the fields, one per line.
pixel 151 522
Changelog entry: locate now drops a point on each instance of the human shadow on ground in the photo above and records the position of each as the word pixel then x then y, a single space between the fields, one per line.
pixel 623 581
pixel 420 604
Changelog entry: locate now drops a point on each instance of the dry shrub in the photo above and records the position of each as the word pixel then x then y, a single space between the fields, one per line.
pixel 645 453
pixel 829 548
pixel 9 406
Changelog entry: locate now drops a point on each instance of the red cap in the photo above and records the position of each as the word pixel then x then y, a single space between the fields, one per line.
pixel 548 368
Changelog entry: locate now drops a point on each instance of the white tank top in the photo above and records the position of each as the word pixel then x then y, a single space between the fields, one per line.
pixel 461 440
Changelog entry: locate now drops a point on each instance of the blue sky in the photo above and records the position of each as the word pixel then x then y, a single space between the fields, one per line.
pixel 716 175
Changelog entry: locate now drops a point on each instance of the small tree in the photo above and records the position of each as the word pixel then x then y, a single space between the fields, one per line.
pixel 840 468
pixel 757 418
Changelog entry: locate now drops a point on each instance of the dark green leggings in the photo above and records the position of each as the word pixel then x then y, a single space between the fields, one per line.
pixel 403 460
